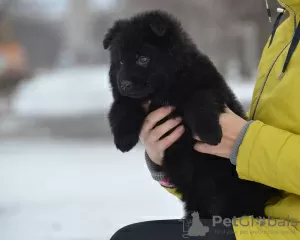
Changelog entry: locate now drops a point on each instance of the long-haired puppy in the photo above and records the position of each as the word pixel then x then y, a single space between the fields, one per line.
pixel 153 59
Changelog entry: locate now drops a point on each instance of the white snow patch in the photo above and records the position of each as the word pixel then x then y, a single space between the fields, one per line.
pixel 65 190
pixel 243 90
pixel 65 92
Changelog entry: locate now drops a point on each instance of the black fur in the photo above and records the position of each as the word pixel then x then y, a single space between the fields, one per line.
pixel 152 58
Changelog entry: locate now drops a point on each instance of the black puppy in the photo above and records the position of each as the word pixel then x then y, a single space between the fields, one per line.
pixel 152 58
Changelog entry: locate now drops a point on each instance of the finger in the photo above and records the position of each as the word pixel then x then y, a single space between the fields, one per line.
pixel 159 131
pixel 172 138
pixel 153 118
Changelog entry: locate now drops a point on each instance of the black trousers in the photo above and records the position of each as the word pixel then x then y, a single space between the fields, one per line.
pixel 175 230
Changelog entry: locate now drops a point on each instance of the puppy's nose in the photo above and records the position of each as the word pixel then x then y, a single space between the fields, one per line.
pixel 126 85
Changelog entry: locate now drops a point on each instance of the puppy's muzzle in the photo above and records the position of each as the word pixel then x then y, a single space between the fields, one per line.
pixel 126 86
pixel 129 89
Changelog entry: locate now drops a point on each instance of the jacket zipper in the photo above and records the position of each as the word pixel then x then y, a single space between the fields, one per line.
pixel 273 63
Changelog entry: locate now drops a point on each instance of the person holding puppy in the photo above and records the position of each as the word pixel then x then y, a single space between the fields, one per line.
pixel 264 149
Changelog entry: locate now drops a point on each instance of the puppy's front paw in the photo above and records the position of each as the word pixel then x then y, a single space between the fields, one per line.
pixel 125 144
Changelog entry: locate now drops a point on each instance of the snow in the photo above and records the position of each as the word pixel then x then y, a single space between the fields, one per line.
pixel 84 190
pixel 82 90
pixel 243 91
pixel 65 92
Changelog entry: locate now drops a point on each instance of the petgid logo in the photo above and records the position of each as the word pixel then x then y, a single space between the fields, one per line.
pixel 196 227
pixel 268 222
pixel 266 226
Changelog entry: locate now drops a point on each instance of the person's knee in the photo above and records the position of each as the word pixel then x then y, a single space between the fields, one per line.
pixel 120 233
pixel 125 232
pixel 147 230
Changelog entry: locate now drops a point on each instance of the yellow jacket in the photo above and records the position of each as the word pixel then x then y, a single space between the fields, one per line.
pixel 270 150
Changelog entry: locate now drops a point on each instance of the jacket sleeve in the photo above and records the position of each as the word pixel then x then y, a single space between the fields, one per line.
pixel 158 175
pixel 155 170
pixel 270 156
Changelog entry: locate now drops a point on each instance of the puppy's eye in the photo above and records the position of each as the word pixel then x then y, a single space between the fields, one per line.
pixel 121 62
pixel 143 61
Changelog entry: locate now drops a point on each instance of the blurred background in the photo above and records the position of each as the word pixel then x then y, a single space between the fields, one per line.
pixel 60 174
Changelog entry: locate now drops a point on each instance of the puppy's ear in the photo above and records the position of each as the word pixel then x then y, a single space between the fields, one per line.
pixel 159 27
pixel 112 32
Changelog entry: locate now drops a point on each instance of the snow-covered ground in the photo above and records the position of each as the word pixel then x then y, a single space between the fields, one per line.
pixel 85 190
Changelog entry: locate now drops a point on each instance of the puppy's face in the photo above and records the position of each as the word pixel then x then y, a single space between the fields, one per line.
pixel 140 56
pixel 137 70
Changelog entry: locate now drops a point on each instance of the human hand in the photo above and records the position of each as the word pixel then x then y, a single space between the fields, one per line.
pixel 232 125
pixel 150 136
